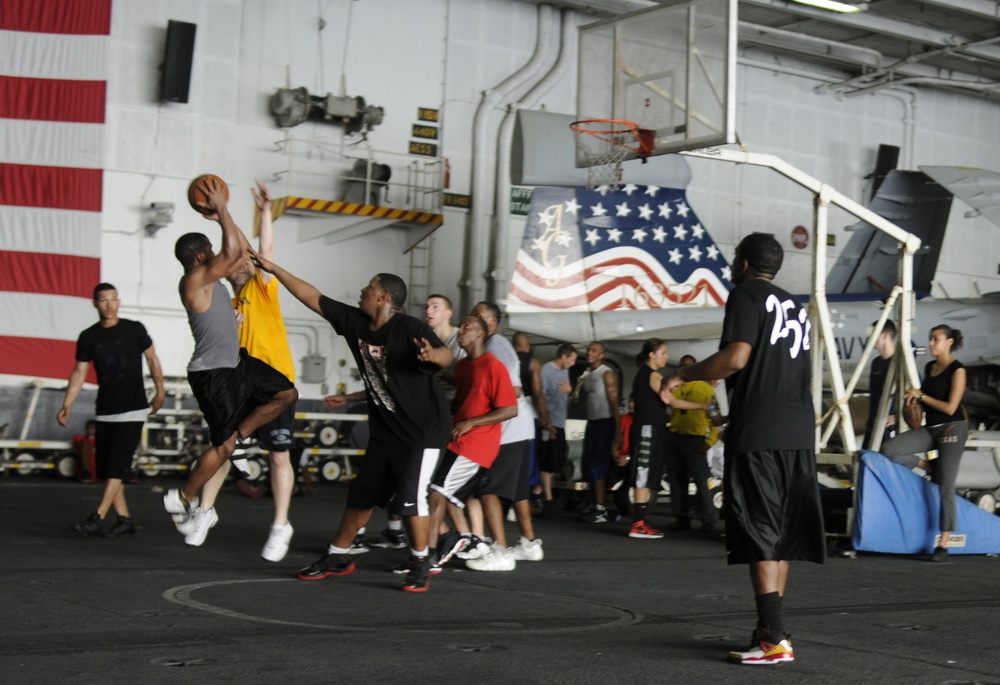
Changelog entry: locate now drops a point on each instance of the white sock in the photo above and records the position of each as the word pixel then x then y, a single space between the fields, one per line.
pixel 337 550
pixel 418 554
pixel 361 530
pixel 395 525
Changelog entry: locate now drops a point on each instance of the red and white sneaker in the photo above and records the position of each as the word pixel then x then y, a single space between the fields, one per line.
pixel 763 652
pixel 640 529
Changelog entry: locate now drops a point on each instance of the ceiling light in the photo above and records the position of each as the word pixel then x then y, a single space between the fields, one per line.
pixel 835 6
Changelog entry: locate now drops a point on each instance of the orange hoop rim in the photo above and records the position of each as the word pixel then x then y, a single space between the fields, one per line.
pixel 643 136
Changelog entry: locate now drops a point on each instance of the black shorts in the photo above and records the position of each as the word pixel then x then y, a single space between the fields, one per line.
pixel 114 446
pixel 227 396
pixel 552 453
pixel 456 478
pixel 647 444
pixel 277 435
pixel 598 438
pixel 772 506
pixel 510 476
pixel 399 471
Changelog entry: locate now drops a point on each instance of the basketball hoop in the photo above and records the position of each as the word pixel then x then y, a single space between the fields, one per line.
pixel 603 144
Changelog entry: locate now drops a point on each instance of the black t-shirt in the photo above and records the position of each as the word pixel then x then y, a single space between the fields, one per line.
pixel 524 358
pixel 876 386
pixel 939 387
pixel 116 353
pixel 771 404
pixel 405 404
pixel 649 408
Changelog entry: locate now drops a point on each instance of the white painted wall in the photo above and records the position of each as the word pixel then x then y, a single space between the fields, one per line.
pixel 405 54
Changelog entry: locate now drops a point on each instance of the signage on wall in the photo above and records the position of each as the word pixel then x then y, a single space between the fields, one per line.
pixel 520 201
pixel 456 200
pixel 424 149
pixel 426 132
pixel 800 237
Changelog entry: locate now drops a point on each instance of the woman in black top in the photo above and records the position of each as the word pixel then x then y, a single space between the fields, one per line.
pixel 648 431
pixel 946 427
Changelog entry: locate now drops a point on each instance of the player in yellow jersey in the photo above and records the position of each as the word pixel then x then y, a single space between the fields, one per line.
pixel 262 333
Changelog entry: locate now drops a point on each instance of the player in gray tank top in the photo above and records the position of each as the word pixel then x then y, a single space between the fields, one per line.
pixel 216 336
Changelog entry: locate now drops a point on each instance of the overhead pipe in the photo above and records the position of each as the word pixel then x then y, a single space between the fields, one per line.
pixel 498 272
pixel 472 283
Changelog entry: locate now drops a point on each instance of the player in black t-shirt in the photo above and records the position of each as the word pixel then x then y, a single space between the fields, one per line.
pixel 886 347
pixel 115 347
pixel 773 512
pixel 410 423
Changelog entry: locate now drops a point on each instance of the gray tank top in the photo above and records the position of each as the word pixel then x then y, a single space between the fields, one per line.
pixel 216 337
pixel 597 394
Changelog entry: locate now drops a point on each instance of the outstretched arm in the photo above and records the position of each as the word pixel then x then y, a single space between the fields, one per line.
pixel 436 355
pixel 304 292
pixel 722 364
pixel 265 240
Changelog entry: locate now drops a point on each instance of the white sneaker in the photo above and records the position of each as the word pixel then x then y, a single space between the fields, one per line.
pixel 180 509
pixel 198 526
pixel 529 550
pixel 499 559
pixel 276 546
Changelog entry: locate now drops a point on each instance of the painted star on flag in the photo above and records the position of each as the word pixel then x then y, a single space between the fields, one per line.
pixel 675 256
pixel 598 210
pixel 680 232
pixel 659 235
pixel 697 231
pixel 564 238
pixel 623 209
pixel 695 253
pixel 630 188
pixel 665 210
pixel 682 209
pixel 713 252
pixel 614 235
pixel 639 235
pixel 645 212
pixel 727 273
pixel 592 237
pixel 571 206
pixel 545 218
pixel 651 190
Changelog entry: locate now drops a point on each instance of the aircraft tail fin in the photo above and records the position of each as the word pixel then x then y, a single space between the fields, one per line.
pixel 868 263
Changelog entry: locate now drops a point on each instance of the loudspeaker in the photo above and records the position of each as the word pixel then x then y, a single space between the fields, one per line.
pixel 177 56
pixel 888 156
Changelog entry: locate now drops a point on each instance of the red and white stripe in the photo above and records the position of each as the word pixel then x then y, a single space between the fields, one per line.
pixel 53 94
pixel 622 278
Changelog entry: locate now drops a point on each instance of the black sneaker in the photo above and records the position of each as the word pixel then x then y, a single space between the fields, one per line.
pixel 419 574
pixel 940 554
pixel 123 526
pixel 450 544
pixel 90 526
pixel 679 524
pixel 359 546
pixel 389 539
pixel 328 566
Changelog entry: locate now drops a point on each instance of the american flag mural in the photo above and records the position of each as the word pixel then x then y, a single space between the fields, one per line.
pixel 53 92
pixel 638 247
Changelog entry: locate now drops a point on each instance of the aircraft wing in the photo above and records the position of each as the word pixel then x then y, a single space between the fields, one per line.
pixel 979 188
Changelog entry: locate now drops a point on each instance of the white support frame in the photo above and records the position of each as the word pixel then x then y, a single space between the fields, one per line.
pixel 822 334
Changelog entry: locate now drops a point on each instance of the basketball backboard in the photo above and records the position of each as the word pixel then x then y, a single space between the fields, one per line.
pixel 670 69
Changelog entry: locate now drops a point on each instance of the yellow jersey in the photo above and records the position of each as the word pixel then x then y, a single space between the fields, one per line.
pixel 694 421
pixel 263 330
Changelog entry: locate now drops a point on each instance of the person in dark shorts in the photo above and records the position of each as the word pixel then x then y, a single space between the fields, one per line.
pixel 398 356
pixel 484 397
pixel 598 386
pixel 115 347
pixel 237 393
pixel 773 513
pixel 263 334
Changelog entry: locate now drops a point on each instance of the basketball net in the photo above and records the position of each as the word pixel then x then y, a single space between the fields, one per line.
pixel 603 144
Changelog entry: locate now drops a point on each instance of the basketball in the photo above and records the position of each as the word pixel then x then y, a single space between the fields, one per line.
pixel 196 196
